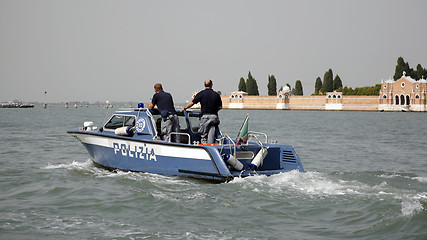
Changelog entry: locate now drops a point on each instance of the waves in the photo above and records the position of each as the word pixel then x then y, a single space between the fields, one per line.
pixel 361 184
pixel 78 198
pixel 407 189
pixel 377 186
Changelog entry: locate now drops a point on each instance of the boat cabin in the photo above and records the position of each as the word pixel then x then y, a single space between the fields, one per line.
pixel 146 124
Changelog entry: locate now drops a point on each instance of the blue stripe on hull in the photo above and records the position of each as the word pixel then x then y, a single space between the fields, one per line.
pixel 166 165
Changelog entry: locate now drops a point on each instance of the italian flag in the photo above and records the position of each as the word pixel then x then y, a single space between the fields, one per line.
pixel 243 133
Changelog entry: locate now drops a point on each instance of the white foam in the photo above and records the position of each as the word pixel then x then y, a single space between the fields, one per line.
pixel 321 184
pixel 411 207
pixel 421 179
pixel 72 165
pixel 316 184
pixel 396 175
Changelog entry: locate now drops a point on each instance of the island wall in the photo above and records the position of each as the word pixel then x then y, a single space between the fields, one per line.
pixel 404 94
pixel 333 101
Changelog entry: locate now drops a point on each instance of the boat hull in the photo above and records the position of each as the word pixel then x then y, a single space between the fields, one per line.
pixel 154 156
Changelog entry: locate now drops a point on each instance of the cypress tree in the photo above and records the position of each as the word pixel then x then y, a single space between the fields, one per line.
pixel 401 67
pixel 242 85
pixel 420 72
pixel 256 88
pixel 272 85
pixel 251 86
pixel 328 82
pixel 317 85
pixel 298 88
pixel 337 82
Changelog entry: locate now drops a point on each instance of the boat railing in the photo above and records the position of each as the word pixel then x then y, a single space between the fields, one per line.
pixel 255 135
pixel 179 133
pixel 231 143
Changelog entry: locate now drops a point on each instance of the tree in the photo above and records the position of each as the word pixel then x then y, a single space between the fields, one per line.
pixel 298 88
pixel 272 86
pixel 251 86
pixel 364 91
pixel 337 82
pixel 242 85
pixel 328 82
pixel 347 91
pixel 401 67
pixel 317 85
pixel 420 72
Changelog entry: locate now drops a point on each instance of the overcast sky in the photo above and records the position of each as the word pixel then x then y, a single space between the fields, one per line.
pixel 117 50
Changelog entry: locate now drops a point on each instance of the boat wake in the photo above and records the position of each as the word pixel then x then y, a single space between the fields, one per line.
pixel 365 186
pixel 374 187
pixel 90 168
pixel 73 165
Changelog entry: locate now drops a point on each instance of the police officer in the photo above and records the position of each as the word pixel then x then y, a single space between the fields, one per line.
pixel 211 103
pixel 164 102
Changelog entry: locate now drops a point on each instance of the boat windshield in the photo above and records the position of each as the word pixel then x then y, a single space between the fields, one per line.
pixel 194 119
pixel 120 121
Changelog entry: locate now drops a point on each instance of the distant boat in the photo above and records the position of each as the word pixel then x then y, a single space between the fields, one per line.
pixel 16 105
pixel 66 105
pixel 75 105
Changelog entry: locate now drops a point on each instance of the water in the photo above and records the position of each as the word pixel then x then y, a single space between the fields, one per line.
pixel 366 179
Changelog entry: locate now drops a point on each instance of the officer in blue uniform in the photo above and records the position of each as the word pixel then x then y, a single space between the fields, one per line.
pixel 170 121
pixel 211 103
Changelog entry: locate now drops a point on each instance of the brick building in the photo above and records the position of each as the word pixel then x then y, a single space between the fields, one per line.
pixel 404 94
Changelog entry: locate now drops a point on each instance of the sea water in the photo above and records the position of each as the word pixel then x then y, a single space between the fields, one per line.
pixel 366 179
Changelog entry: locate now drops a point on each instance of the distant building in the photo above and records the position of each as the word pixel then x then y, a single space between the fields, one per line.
pixel 333 101
pixel 404 94
pixel 283 98
pixel 236 99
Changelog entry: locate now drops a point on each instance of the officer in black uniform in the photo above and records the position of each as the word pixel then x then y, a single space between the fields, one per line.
pixel 170 121
pixel 211 103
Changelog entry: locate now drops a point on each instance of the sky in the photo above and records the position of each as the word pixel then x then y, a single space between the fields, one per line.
pixel 99 50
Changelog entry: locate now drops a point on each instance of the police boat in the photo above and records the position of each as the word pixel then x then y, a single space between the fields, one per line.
pixel 130 140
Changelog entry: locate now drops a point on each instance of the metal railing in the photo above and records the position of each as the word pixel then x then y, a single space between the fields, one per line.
pixel 177 134
pixel 256 134
pixel 230 144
